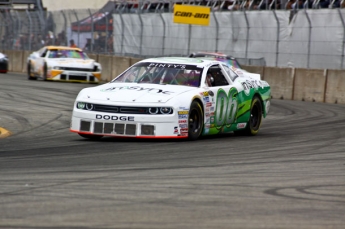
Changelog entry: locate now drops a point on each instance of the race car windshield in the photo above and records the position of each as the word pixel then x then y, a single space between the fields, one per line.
pixel 162 73
pixel 65 53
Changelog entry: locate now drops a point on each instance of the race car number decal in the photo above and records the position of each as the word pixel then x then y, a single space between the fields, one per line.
pixel 226 108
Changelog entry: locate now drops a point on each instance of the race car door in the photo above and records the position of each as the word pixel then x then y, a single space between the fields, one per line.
pixel 39 62
pixel 224 99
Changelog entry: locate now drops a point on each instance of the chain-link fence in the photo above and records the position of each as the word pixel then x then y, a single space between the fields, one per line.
pixel 93 29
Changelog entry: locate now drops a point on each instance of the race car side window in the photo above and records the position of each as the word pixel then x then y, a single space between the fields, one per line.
pixel 230 72
pixel 44 53
pixel 218 76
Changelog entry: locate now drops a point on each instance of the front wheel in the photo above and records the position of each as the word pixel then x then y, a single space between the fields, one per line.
pixel 45 72
pixel 91 136
pixel 195 121
pixel 254 123
pixel 30 77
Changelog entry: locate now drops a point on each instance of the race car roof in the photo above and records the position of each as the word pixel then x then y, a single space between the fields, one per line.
pixel 181 60
pixel 211 54
pixel 63 47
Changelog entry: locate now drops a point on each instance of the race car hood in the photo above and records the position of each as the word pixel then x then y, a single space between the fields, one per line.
pixel 72 62
pixel 133 92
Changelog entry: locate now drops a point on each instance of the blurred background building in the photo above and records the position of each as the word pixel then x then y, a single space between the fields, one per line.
pixel 73 4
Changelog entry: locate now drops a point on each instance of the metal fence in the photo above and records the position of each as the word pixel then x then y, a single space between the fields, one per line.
pixel 31 30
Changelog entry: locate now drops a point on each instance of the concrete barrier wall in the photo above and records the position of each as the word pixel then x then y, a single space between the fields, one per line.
pixel 135 60
pixel 281 81
pixel 93 56
pixel 106 63
pixel 317 85
pixel 26 54
pixel 335 87
pixel 309 85
pixel 255 69
pixel 17 61
pixel 119 65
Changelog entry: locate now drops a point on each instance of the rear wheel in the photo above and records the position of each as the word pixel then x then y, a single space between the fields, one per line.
pixel 254 123
pixel 91 136
pixel 195 121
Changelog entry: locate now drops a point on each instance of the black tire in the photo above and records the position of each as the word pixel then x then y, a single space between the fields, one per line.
pixel 45 72
pixel 195 121
pixel 254 123
pixel 29 73
pixel 91 137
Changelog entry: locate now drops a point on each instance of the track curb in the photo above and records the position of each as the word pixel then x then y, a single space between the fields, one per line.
pixel 4 133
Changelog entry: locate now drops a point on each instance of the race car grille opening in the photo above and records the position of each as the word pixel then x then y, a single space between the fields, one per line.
pixel 147 130
pixel 76 77
pixel 98 128
pixel 130 129
pixel 131 110
pixel 85 126
pixel 77 69
pixel 111 128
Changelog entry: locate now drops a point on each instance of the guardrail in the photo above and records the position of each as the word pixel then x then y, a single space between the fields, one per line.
pixel 314 85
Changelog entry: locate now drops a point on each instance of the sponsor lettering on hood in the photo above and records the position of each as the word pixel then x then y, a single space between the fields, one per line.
pixel 137 88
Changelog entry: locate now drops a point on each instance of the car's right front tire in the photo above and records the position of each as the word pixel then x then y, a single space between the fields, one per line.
pixel 254 123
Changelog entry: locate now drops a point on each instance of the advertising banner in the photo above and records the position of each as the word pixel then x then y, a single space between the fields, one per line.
pixel 190 14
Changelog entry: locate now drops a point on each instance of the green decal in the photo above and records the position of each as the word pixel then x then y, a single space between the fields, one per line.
pixel 226 108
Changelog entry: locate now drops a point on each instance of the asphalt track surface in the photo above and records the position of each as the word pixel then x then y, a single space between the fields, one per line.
pixel 291 175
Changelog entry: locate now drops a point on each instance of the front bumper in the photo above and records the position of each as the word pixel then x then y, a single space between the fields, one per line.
pixel 76 76
pixel 122 125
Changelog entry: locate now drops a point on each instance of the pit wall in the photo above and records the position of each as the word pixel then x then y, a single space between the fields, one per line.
pixel 315 85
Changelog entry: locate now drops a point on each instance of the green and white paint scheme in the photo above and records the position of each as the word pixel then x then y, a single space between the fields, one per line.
pixel 173 97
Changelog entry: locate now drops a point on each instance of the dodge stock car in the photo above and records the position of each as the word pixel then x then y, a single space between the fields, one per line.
pixel 63 64
pixel 173 97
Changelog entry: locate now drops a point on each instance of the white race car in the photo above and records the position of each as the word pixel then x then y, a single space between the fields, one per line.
pixel 173 97
pixel 63 63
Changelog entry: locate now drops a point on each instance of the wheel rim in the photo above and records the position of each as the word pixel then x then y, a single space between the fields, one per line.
pixel 255 117
pixel 194 121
